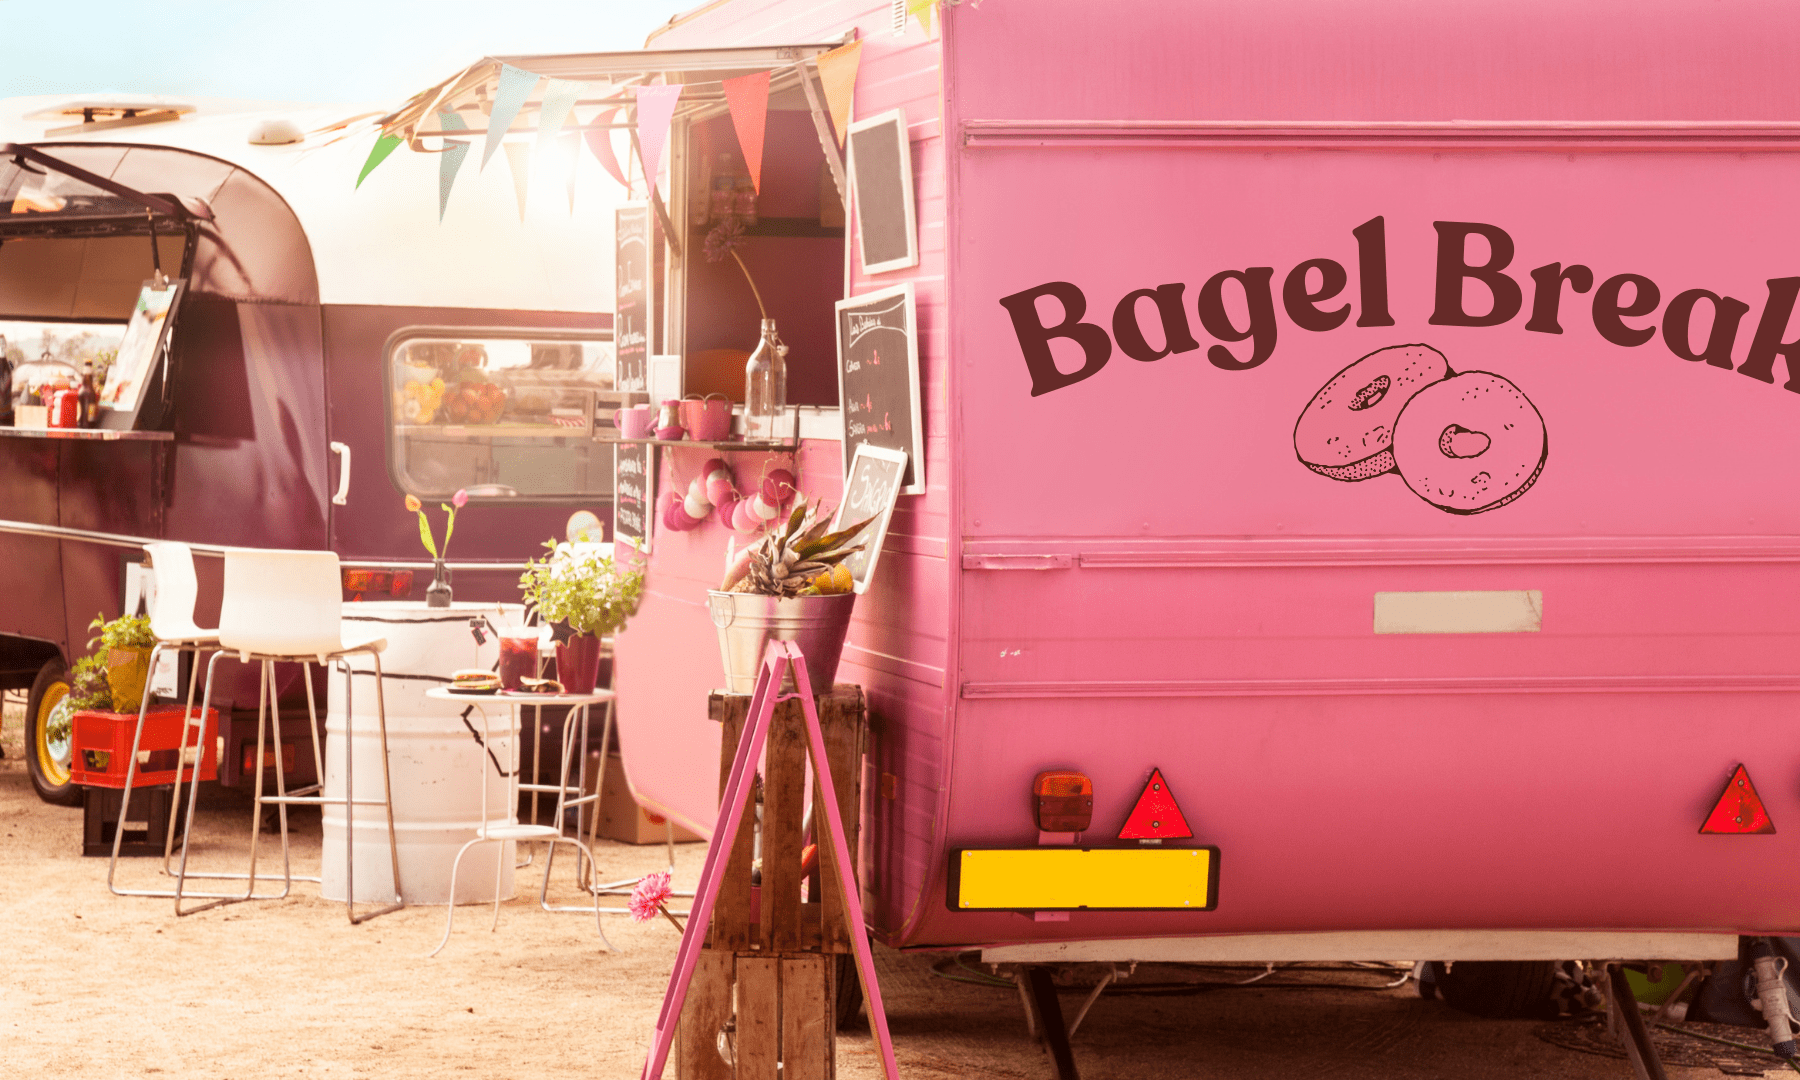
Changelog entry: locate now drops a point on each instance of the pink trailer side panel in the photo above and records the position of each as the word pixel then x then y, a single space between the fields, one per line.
pixel 1215 554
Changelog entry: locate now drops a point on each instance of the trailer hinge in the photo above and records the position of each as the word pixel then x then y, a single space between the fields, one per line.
pixel 1018 562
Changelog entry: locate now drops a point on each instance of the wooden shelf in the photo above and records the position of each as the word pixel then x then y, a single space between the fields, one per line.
pixel 89 434
pixel 722 444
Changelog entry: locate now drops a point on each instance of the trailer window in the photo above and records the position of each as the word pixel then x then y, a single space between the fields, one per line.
pixel 500 414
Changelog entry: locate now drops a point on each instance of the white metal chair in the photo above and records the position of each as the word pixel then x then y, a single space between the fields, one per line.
pixel 287 607
pixel 497 826
pixel 172 622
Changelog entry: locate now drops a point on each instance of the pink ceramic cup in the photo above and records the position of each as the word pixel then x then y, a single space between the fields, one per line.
pixel 634 422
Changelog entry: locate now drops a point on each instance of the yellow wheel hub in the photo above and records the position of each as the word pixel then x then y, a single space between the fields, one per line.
pixel 53 747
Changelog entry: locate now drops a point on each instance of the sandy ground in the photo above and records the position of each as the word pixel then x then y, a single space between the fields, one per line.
pixel 99 987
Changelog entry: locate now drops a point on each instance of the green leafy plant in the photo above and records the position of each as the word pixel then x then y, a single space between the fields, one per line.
pixel 802 558
pixel 582 589
pixel 88 688
pixel 125 632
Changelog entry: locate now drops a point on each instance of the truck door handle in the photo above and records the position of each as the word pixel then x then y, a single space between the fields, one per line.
pixel 342 497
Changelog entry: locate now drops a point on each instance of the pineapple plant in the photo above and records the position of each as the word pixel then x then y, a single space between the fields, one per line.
pixel 800 558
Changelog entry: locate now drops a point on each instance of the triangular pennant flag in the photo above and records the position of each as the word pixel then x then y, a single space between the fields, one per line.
pixel 655 108
pixel 599 142
pixel 748 98
pixel 384 146
pixel 1739 809
pixel 568 148
pixel 922 8
pixel 837 75
pixel 450 161
pixel 559 98
pixel 518 158
pixel 1155 816
pixel 515 88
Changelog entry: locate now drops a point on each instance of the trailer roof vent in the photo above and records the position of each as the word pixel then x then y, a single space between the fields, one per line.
pixel 101 114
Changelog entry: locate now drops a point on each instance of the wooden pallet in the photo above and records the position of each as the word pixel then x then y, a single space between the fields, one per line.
pixel 770 961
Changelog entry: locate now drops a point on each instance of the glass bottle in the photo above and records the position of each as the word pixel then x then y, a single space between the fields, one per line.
pixel 87 402
pixel 765 386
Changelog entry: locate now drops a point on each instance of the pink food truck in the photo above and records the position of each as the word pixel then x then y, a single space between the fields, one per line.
pixel 334 344
pixel 1354 446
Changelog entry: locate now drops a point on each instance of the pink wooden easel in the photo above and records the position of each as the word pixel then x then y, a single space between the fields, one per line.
pixel 780 656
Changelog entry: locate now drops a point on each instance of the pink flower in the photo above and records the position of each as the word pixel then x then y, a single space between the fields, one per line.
pixel 647 899
pixel 460 499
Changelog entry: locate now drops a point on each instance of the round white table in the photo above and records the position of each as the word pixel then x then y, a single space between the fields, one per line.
pixel 574 745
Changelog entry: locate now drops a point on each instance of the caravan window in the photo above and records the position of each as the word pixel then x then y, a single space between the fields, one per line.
pixel 502 414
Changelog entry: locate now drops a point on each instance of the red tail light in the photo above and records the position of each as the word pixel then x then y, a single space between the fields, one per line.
pixel 379 582
pixel 1063 801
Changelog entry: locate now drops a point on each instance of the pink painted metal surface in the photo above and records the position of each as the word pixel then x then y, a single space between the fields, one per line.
pixel 1152 565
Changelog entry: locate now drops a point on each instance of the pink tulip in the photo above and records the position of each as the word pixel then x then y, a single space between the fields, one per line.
pixel 460 499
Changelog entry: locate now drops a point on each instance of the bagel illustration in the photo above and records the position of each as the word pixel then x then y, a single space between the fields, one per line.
pixel 1465 443
pixel 1471 443
pixel 1346 431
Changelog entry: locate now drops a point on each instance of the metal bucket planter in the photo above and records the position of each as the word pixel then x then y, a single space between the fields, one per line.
pixel 747 623
pixel 127 672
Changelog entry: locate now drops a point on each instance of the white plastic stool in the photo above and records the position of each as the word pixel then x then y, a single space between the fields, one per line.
pixel 287 607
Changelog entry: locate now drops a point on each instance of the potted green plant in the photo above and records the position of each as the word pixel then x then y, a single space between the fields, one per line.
pixel 791 585
pixel 578 587
pixel 126 643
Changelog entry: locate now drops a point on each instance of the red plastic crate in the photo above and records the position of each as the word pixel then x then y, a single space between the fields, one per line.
pixel 101 743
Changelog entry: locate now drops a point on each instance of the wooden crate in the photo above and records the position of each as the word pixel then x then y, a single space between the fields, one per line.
pixel 775 973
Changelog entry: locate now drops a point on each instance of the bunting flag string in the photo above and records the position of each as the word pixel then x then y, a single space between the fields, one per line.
pixel 516 85
pixel 559 99
pixel 599 142
pixel 748 98
pixel 378 154
pixel 655 109
pixel 837 75
pixel 450 161
pixel 518 159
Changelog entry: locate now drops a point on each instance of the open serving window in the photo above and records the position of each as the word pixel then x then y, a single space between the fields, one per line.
pixel 733 237
pixel 91 270
pixel 500 413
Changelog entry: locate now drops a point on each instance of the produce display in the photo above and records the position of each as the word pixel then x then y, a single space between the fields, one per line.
pixel 474 400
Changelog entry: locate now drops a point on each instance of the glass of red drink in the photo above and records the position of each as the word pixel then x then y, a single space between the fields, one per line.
pixel 518 660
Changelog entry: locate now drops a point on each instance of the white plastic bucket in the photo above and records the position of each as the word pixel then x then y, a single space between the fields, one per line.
pixel 433 756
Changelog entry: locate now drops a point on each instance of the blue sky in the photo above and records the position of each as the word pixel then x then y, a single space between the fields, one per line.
pixel 377 51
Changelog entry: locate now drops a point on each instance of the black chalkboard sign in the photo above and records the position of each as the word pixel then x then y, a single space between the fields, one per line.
pixel 878 378
pixel 881 179
pixel 631 287
pixel 634 494
pixel 870 488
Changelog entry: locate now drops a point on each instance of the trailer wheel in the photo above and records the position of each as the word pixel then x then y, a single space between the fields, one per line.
pixel 48 738
pixel 1499 989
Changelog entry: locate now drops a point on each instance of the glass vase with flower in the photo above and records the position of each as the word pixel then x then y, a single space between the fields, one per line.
pixel 439 594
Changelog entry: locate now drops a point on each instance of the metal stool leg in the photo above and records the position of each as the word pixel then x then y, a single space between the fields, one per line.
pixel 387 796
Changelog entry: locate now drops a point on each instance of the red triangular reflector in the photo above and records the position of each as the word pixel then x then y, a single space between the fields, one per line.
pixel 1155 816
pixel 1739 809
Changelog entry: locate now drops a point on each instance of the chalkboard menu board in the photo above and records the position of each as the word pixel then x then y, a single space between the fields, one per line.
pixel 878 378
pixel 881 179
pixel 631 310
pixel 870 488
pixel 634 494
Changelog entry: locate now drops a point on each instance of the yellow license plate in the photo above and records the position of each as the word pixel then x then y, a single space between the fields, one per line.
pixel 1069 878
